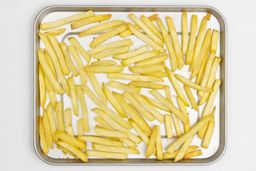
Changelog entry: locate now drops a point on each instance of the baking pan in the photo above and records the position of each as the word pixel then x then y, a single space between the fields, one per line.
pixel 219 147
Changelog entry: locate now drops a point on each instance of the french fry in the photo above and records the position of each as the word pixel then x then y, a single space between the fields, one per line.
pixel 67 20
pixel 132 53
pixel 153 17
pixel 169 44
pixel 151 26
pixel 84 108
pixel 100 140
pixel 168 93
pixel 49 112
pixel 140 57
pixel 177 126
pixel 146 84
pixel 129 143
pixel 152 61
pixel 104 62
pixel 104 69
pixel 107 35
pixel 68 122
pixel 90 20
pixel 47 130
pixel 145 38
pixel 168 125
pixel 76 57
pixel 56 32
pixel 176 144
pixel 159 150
pixel 126 150
pixel 97 88
pixel 175 40
pixel 100 27
pixel 193 154
pixel 151 146
pixel 133 77
pixel 139 131
pixel 183 109
pixel 110 133
pixel 73 95
pixel 191 98
pixel 214 41
pixel 122 86
pixel 59 116
pixel 42 137
pixel 77 152
pixel 73 41
pixel 184 28
pixel 113 101
pixel 66 151
pixel 83 77
pixel 80 127
pixel 202 69
pixel 107 155
pixel 42 87
pixel 159 74
pixel 192 39
pixel 209 132
pixel 174 154
pixel 69 139
pixel 49 62
pixel 111 52
pixel 155 103
pixel 102 122
pixel 146 69
pixel 183 150
pixel 52 97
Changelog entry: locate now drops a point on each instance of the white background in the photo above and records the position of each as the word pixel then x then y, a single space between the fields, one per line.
pixel 16 87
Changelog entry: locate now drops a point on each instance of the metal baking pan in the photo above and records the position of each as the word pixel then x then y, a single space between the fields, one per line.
pixel 222 99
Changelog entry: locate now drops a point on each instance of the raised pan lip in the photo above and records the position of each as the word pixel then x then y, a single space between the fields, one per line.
pixel 38 14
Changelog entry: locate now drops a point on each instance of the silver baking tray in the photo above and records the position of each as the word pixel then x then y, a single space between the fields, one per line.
pixel 219 146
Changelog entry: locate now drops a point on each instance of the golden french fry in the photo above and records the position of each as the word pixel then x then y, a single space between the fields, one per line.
pixel 90 20
pixel 133 77
pixel 209 132
pixel 193 154
pixel 97 88
pixel 104 62
pixel 129 143
pixel 202 69
pixel 174 154
pixel 159 150
pixel 183 150
pixel 47 130
pixel 51 118
pixel 152 61
pixel 153 17
pixel 192 39
pixel 107 35
pixel 168 93
pixel 146 84
pixel 110 133
pixel 139 131
pixel 108 155
pixel 76 57
pixel 177 126
pixel 68 121
pixel 183 109
pixel 83 77
pixel 100 27
pixel 49 62
pixel 100 140
pixel 169 44
pixel 67 20
pixel 151 26
pixel 42 137
pixel 168 125
pixel 73 41
pixel 146 69
pixel 123 86
pixel 51 94
pixel 56 32
pixel 111 52
pixel 42 87
pixel 132 53
pixel 175 41
pixel 69 139
pixel 214 41
pixel 126 150
pixel 104 69
pixel 66 151
pixel 73 95
pixel 80 127
pixel 156 104
pixel 191 97
pixel 59 116
pixel 151 146
pixel 184 28
pixel 159 74
pixel 102 122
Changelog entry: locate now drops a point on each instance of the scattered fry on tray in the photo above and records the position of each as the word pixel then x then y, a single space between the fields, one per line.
pixel 104 62
pixel 108 155
pixel 174 154
pixel 56 32
pixel 110 133
pixel 183 150
pixel 146 69
pixel 168 125
pixel 59 116
pixel 42 137
pixel 68 121
pixel 132 53
pixel 73 95
pixel 191 98
pixel 151 146
pixel 133 77
pixel 159 148
pixel 151 26
pixel 177 126
pixel 126 150
pixel 73 41
pixel 159 74
pixel 153 60
pixel 193 154
pixel 102 122
pixel 111 52
pixel 49 112
pixel 146 84
pixel 184 28
pixel 47 130
pixel 80 127
pixel 69 139
pixel 192 39
pixel 183 108
pixel 76 57
pixel 139 131
pixel 42 87
pixel 100 140
pixel 49 62
pixel 122 86
pixel 156 104
pixel 209 132
pixel 104 69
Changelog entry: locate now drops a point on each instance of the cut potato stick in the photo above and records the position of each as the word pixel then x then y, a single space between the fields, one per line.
pixel 184 28
pixel 107 35
pixel 145 38
pixel 65 151
pixel 193 154
pixel 214 41
pixel 51 118
pixel 52 97
pixel 102 123
pixel 146 84
pixel 108 155
pixel 111 52
pixel 183 109
pixel 169 44
pixel 133 77
pixel 209 132
pixel 146 69
pixel 68 59
pixel 122 86
pixel 139 131
pixel 114 149
pixel 76 57
pixel 168 93
pixel 68 122
pixel 202 69
pixel 69 139
pixel 132 53
pixel 151 146
pixel 49 62
pixel 159 150
pixel 152 61
pixel 177 126
pixel 100 140
pixel 73 95
pixel 174 154
pixel 192 39
pixel 175 40
pixel 77 152
pixel 110 133
pixel 42 137
pixel 80 127
pixel 73 41
pixel 56 32
pixel 191 97
pixel 129 143
pixel 151 26
pixel 100 27
pixel 90 20
pixel 104 62
pixel 47 130
pixel 168 125
pixel 153 17
pixel 42 87
pixel 183 150
pixel 59 116
pixel 83 77
pixel 156 104
pixel 97 88
pixel 159 74
pixel 104 69
pixel 176 144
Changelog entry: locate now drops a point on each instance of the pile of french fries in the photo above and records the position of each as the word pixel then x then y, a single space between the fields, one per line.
pixel 124 114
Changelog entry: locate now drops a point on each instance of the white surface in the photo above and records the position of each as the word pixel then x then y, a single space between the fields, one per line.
pixel 16 89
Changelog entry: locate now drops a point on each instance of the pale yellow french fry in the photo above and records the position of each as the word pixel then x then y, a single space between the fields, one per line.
pixel 77 152
pixel 83 77
pixel 153 17
pixel 69 139
pixel 100 27
pixel 67 20
pixel 111 52
pixel 110 45
pixel 76 57
pixel 126 150
pixel 168 125
pixel 56 32
pixel 132 53
pixel 133 77
pixel 170 106
pixel 151 146
pixel 90 20
pixel 51 118
pixel 59 116
pixel 47 130
pixel 175 41
pixel 145 38
pixel 125 33
pixel 146 84
pixel 74 42
pixel 100 140
pixel 42 87
pixel 104 69
pixel 214 41
pixel 209 132
pixel 102 122
pixel 108 155
pixel 104 62
pixel 68 122
pixel 49 62
pixel 80 127
pixel 176 144
pixel 183 109
pixel 151 26
pixel 169 44
pixel 159 74
pixel 42 137
pixel 184 28
pixel 146 69
pixel 129 143
pixel 193 154
pixel 52 97
pixel 156 104
pixel 174 154
pixel 73 95
pixel 183 150
pixel 202 69
pixel 56 46
pixel 159 148
pixel 122 86
pixel 168 93
pixel 97 87
pixel 177 126
pixel 146 29
pixel 84 108
pixel 176 86
pixel 140 57
pixel 191 97
pixel 107 35
pixel 139 131
pixel 192 39
pixel 152 61
pixel 110 133
pixel 113 101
